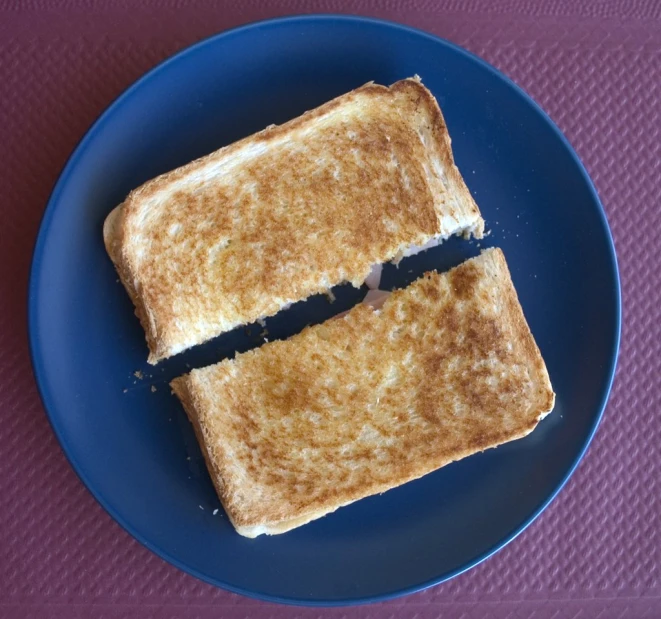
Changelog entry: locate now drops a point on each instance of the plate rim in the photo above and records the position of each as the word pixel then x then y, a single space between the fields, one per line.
pixel 33 306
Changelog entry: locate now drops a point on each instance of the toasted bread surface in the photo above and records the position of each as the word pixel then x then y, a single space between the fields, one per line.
pixel 288 213
pixel 363 403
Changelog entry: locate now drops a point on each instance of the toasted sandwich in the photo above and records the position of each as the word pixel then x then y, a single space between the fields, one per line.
pixel 445 368
pixel 289 212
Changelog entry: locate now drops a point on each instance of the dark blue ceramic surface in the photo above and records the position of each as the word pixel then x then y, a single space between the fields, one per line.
pixel 134 448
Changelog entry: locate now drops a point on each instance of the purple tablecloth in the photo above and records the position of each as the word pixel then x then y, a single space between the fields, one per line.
pixel 596 552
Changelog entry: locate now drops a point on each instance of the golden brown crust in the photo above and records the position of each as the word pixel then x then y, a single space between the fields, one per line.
pixel 180 386
pixel 113 240
pixel 367 402
pixel 307 205
pixel 431 121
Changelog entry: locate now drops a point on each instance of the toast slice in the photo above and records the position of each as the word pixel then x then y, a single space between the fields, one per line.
pixel 366 402
pixel 287 213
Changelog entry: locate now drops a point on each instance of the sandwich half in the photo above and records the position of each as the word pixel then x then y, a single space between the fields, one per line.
pixel 288 212
pixel 445 368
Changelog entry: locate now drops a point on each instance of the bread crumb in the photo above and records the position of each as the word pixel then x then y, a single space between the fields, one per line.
pixel 125 391
pixel 215 511
pixel 138 374
pixel 153 389
pixel 202 508
pixel 261 322
pixel 330 296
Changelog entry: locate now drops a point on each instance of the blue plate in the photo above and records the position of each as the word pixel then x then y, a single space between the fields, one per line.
pixel 132 446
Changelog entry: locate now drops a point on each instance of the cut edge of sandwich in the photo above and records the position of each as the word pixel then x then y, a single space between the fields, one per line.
pixel 543 403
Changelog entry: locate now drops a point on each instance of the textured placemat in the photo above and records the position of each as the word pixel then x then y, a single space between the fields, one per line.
pixel 596 552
